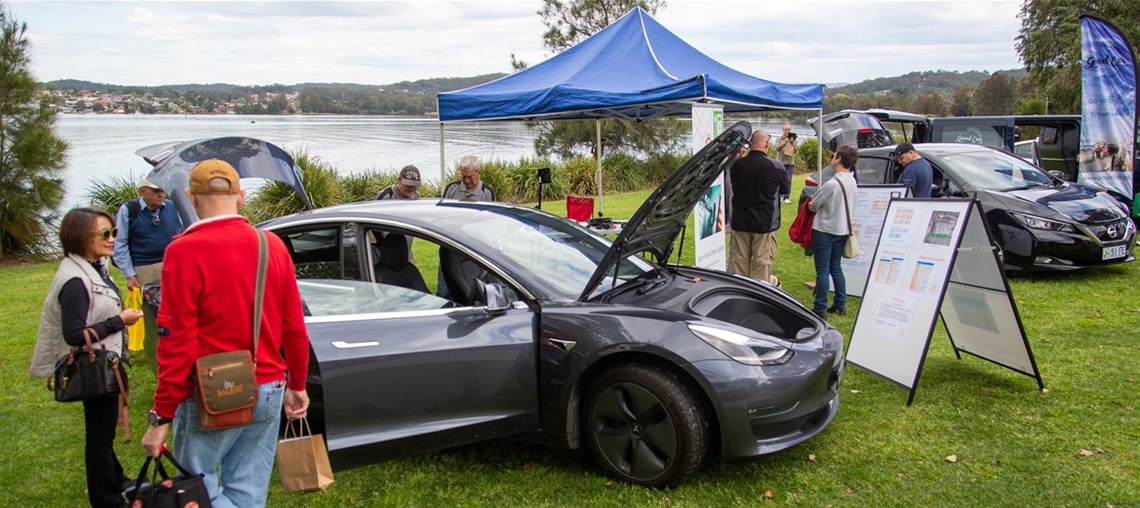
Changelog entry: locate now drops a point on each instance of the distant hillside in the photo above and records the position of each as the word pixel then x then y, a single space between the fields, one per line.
pixel 923 82
pixel 431 86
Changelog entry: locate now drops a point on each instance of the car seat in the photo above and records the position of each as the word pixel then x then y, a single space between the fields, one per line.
pixel 461 275
pixel 392 266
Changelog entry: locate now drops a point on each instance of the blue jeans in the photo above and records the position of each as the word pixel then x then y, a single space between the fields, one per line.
pixel 828 252
pixel 237 462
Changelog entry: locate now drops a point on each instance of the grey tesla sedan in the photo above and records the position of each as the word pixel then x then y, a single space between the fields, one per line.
pixel 438 323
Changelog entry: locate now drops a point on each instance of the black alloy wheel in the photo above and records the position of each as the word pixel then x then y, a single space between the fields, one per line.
pixel 645 426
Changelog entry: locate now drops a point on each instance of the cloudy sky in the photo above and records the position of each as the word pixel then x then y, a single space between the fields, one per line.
pixel 380 42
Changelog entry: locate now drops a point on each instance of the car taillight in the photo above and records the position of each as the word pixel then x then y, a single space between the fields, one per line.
pixel 865 131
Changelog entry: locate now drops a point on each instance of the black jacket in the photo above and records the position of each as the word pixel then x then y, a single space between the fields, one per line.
pixel 757 182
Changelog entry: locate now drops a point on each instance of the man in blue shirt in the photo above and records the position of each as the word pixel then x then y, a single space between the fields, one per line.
pixel 917 173
pixel 146 227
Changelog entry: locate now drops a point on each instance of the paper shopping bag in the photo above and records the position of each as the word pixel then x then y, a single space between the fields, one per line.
pixel 303 460
pixel 136 332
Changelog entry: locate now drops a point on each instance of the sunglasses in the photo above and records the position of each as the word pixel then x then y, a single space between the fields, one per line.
pixel 107 234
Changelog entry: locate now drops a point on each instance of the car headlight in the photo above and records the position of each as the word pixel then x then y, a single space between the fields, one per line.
pixel 744 349
pixel 1036 222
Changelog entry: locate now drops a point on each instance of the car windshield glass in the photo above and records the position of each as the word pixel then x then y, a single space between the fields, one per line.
pixel 994 170
pixel 562 254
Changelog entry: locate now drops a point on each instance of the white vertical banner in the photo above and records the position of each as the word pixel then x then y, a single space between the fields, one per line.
pixel 708 216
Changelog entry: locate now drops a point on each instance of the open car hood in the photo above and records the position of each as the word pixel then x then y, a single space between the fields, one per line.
pixel 252 158
pixel 655 226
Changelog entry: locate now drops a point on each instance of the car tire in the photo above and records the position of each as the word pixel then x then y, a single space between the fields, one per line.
pixel 645 426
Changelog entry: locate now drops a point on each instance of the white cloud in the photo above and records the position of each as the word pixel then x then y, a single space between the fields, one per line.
pixel 248 42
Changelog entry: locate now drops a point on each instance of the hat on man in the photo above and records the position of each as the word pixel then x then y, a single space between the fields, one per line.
pixel 143 182
pixel 410 176
pixel 903 147
pixel 210 169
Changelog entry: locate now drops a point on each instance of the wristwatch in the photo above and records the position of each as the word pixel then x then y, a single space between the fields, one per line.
pixel 156 420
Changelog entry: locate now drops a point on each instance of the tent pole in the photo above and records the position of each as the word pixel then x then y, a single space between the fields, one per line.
pixel 441 175
pixel 819 149
pixel 598 160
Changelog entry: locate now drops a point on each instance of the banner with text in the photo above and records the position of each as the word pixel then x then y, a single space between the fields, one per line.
pixel 708 215
pixel 1108 107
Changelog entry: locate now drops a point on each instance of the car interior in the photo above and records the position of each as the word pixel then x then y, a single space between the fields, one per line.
pixel 327 259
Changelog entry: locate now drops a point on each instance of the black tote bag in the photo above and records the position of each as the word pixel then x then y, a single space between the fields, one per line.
pixel 186 489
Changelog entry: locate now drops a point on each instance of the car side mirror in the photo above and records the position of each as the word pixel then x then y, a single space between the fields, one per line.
pixel 1056 174
pixel 493 294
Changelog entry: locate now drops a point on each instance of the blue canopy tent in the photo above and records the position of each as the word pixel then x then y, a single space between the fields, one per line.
pixel 633 69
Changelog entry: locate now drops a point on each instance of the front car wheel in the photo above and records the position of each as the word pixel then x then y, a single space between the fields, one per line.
pixel 645 426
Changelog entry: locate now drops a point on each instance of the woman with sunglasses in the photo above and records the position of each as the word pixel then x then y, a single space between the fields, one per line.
pixel 82 295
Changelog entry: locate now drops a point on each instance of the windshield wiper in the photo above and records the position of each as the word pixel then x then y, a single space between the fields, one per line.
pixel 660 277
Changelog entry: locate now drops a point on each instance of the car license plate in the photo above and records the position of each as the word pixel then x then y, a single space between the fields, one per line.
pixel 1114 252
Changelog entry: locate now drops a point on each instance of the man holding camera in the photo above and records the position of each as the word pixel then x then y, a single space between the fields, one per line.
pixel 786 154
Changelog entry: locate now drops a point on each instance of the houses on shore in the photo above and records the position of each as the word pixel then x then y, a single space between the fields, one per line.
pixel 93 101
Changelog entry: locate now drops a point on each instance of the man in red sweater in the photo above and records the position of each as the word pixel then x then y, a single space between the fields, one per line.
pixel 208 276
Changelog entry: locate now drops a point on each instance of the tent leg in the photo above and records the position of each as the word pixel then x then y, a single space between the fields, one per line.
pixel 441 159
pixel 819 148
pixel 598 161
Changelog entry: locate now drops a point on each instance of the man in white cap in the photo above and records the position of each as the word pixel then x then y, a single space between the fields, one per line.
pixel 146 226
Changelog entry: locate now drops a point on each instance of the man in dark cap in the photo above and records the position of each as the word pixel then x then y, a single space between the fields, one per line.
pixel 917 173
pixel 406 187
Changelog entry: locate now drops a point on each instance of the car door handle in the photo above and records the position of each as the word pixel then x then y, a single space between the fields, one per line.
pixel 340 344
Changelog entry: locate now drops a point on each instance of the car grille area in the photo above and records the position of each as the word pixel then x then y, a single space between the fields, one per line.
pixel 1114 231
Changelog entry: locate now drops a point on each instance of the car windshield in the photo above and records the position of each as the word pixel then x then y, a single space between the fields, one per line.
pixel 560 253
pixel 993 170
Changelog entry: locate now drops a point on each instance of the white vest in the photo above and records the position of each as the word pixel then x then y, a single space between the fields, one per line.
pixel 104 303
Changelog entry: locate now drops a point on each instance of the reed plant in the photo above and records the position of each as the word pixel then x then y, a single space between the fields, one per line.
pixel 111 193
pixel 276 199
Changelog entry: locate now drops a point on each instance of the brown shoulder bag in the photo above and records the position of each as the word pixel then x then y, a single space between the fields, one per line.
pixel 225 384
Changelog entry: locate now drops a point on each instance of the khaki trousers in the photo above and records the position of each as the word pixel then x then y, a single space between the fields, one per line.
pixel 146 275
pixel 752 255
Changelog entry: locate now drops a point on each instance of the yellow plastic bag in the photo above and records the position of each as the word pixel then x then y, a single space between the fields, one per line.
pixel 136 332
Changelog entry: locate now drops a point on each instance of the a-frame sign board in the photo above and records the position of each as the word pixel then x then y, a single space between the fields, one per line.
pixel 935 257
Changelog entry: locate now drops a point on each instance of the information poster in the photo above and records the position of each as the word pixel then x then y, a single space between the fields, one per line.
pixel 709 214
pixel 871 203
pixel 936 257
pixel 904 289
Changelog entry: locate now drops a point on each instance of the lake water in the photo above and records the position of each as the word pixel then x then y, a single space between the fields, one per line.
pixel 102 146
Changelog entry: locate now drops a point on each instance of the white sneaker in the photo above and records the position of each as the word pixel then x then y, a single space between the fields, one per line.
pixel 787 201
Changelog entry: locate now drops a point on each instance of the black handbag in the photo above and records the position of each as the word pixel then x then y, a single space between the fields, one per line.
pixel 87 373
pixel 186 489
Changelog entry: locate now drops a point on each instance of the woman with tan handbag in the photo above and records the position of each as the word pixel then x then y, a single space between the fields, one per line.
pixel 833 204
pixel 83 300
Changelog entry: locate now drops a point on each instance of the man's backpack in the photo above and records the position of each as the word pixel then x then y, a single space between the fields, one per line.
pixel 133 209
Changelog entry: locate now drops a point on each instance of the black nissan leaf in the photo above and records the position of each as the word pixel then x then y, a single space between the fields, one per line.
pixel 1041 223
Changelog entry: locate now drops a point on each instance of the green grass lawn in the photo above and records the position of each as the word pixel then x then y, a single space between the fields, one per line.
pixel 1015 445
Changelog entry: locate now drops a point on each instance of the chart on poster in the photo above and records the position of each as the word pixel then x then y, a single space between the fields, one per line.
pixel 867 220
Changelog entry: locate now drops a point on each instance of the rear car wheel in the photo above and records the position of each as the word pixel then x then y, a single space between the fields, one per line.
pixel 645 426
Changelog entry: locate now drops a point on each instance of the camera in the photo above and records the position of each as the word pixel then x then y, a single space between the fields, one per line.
pixel 791 135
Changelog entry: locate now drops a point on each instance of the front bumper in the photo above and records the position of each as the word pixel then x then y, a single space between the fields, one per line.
pixel 1038 250
pixel 763 410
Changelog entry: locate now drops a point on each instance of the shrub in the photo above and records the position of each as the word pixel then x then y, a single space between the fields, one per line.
pixel 364 186
pixel 109 195
pixel 622 172
pixel 276 199
pixel 659 166
pixel 807 160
